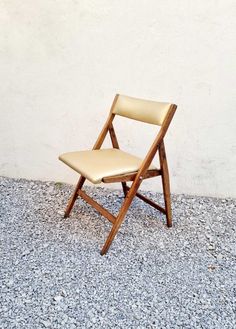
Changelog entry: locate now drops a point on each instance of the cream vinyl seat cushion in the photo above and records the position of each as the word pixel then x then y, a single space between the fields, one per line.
pixel 98 164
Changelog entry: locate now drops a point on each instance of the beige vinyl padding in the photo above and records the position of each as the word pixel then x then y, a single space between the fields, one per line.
pixel 98 164
pixel 141 110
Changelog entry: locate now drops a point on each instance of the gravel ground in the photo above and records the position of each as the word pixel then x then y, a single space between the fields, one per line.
pixel 52 275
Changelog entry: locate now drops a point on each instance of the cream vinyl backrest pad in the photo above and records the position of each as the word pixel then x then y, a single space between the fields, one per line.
pixel 141 110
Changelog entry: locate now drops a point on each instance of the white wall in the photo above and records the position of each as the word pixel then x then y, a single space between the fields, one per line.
pixel 61 63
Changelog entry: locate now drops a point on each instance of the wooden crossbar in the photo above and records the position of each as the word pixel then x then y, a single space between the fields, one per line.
pixel 97 206
pixel 150 202
pixel 131 177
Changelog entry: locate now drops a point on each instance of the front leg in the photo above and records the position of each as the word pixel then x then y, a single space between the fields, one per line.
pixel 74 196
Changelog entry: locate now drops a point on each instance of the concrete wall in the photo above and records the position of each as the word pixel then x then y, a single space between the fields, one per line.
pixel 61 63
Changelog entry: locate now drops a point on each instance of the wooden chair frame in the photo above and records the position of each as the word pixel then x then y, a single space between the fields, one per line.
pixel 136 178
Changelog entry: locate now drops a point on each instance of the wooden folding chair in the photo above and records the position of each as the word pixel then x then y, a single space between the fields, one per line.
pixel 113 165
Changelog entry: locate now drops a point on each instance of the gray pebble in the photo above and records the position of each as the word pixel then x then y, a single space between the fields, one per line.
pixel 52 274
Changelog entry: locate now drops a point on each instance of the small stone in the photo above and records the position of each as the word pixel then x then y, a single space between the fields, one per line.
pixel 10 283
pixel 58 298
pixel 219 257
pixel 46 323
pixel 25 253
pixel 209 237
pixel 63 293
pixel 65 318
pixel 211 267
pixel 211 247
pixel 50 189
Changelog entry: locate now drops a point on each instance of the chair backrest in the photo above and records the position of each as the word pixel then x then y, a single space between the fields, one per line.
pixel 141 110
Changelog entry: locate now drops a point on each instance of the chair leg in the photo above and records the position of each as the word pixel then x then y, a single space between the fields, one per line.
pixel 74 196
pixel 124 208
pixel 166 190
pixel 115 229
pixel 166 185
pixel 124 187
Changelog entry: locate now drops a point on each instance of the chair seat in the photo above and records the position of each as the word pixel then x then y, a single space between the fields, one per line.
pixel 96 165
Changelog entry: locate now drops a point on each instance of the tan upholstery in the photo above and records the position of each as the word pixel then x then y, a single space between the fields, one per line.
pixel 141 110
pixel 98 164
